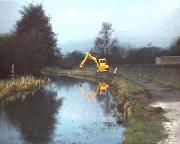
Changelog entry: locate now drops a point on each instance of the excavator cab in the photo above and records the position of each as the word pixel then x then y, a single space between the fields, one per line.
pixel 102 64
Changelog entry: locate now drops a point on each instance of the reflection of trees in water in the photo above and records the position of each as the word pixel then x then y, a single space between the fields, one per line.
pixel 108 105
pixel 106 102
pixel 93 86
pixel 35 116
pixel 66 82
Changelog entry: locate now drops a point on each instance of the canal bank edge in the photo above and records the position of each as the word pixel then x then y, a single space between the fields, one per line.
pixel 19 87
pixel 144 123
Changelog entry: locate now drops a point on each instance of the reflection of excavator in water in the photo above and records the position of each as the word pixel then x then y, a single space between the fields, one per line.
pixel 102 90
pixel 103 96
pixel 100 63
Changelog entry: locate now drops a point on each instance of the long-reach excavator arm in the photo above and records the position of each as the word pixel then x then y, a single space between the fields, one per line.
pixel 88 55
pixel 101 65
pixel 84 60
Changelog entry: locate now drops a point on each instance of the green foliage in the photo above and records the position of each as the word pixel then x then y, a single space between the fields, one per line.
pixel 126 87
pixel 144 55
pixel 142 130
pixel 7 49
pixel 31 46
pixel 116 53
pixel 72 60
pixel 175 48
pixel 37 40
pixel 103 41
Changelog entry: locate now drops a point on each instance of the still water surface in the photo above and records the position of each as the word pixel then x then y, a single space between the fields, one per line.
pixel 65 111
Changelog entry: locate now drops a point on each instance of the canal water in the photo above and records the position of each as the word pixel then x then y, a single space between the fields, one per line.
pixel 65 111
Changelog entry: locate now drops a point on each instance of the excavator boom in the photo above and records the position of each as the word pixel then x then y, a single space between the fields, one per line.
pixel 84 60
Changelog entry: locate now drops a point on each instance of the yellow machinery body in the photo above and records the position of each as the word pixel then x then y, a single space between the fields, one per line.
pixel 100 63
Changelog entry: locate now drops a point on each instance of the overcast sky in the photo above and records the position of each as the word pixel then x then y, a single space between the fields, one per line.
pixel 137 22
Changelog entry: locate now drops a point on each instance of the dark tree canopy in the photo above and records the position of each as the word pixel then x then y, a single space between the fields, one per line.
pixel 38 43
pixel 7 51
pixel 175 48
pixel 32 46
pixel 72 60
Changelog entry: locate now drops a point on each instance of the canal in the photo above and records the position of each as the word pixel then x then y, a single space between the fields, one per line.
pixel 65 111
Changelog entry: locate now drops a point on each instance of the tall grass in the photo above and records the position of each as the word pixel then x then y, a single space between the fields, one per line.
pixel 18 84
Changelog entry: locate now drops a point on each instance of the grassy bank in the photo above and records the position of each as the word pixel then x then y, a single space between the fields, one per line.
pixel 165 82
pixel 77 73
pixel 17 87
pixel 144 123
pixel 70 73
pixel 168 75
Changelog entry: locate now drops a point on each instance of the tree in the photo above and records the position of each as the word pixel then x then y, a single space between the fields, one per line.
pixel 103 41
pixel 117 53
pixel 145 55
pixel 37 45
pixel 175 48
pixel 72 60
pixel 7 50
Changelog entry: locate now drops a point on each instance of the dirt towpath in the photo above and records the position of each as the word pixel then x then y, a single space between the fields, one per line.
pixel 169 99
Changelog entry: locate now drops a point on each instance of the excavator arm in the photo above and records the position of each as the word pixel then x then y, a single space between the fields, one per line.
pixel 84 60
pixel 89 56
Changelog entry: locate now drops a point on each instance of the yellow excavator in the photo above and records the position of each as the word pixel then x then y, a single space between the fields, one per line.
pixel 101 64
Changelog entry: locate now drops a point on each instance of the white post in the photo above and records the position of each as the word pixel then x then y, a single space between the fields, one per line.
pixel 12 70
pixel 115 70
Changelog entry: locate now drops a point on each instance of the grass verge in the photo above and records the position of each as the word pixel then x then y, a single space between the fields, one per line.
pixel 16 87
pixel 170 83
pixel 77 73
pixel 144 123
pixel 89 75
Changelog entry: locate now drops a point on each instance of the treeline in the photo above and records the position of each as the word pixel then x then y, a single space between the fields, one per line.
pixel 135 56
pixel 117 56
pixel 31 46
pixel 110 48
